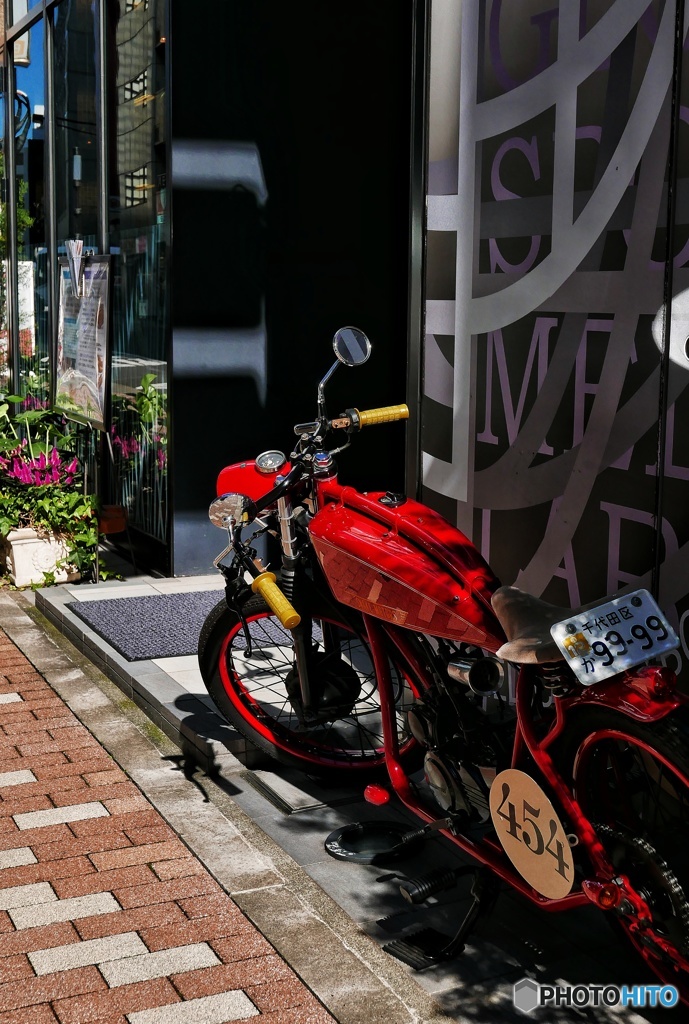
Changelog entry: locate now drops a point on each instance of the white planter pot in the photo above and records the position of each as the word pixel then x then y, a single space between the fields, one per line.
pixel 28 556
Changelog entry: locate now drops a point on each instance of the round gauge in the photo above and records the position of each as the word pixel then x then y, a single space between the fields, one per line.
pixel 270 462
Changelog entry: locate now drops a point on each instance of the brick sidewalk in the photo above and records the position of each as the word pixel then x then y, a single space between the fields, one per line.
pixel 105 915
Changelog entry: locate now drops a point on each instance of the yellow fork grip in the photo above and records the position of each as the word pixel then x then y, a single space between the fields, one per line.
pixel 387 414
pixel 266 586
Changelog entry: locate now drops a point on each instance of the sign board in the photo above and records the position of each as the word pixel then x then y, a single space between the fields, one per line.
pixel 82 364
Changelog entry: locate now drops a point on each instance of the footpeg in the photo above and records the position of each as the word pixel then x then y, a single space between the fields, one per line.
pixel 421 949
pixel 417 890
pixel 428 947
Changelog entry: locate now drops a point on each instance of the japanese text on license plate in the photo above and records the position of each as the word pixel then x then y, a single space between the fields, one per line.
pixel 613 637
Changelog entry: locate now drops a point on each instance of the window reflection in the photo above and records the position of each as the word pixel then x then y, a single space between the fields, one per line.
pixel 19 8
pixel 76 149
pixel 32 254
pixel 4 334
pixel 137 232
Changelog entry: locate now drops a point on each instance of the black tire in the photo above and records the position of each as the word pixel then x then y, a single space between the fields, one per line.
pixel 631 779
pixel 255 700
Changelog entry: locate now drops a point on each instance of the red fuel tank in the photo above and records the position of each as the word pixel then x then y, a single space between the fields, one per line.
pixel 244 478
pixel 405 564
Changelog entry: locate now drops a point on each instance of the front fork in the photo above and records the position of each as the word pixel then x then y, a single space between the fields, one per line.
pixel 301 634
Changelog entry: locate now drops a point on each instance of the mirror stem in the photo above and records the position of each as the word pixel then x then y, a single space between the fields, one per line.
pixel 321 390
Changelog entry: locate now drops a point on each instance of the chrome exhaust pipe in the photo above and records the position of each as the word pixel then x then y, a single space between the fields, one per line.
pixel 483 675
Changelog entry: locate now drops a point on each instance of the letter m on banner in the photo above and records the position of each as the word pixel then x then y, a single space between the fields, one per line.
pixel 496 355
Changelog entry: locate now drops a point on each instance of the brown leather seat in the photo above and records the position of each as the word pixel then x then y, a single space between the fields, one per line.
pixel 527 621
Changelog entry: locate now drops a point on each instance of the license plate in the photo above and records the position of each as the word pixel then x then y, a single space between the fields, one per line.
pixel 614 636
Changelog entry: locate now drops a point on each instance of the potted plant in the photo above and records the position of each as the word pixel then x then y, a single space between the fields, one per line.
pixel 48 526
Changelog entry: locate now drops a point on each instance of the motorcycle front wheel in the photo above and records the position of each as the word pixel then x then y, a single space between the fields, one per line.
pixel 632 782
pixel 251 692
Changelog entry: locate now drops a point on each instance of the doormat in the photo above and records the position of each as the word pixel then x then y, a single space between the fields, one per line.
pixel 159 626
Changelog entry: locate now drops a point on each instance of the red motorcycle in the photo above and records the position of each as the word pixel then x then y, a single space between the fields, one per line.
pixel 553 751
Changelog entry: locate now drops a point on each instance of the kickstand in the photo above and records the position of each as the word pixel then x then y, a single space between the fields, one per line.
pixel 428 946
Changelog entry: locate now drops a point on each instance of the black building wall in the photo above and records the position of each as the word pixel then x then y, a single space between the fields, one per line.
pixel 290 142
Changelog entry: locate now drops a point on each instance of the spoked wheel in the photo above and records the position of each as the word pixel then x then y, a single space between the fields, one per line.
pixel 632 782
pixel 258 691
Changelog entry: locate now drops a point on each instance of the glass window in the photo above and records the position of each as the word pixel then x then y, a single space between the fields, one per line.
pixel 76 147
pixel 138 233
pixel 32 253
pixel 19 8
pixel 4 335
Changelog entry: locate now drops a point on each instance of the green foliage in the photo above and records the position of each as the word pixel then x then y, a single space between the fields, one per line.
pixel 60 507
pixel 24 218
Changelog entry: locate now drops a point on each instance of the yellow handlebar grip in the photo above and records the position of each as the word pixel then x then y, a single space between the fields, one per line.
pixel 266 586
pixel 388 414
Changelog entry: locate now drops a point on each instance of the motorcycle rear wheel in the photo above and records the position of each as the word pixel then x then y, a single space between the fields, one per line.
pixel 251 694
pixel 632 782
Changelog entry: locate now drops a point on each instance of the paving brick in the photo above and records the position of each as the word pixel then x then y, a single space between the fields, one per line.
pixel 140 918
pixel 182 867
pixel 40 1014
pixel 30 837
pixel 26 895
pixel 24 724
pixel 202 929
pixel 64 768
pixel 159 833
pixel 119 821
pixel 37 764
pixel 105 777
pixel 310 1014
pixel 162 892
pixel 146 854
pixel 10 698
pixel 46 708
pixel 29 750
pixel 5 922
pixel 15 968
pixel 106 794
pixel 262 970
pixel 104 881
pixel 49 871
pixel 238 946
pixel 73 847
pixel 16 778
pixel 158 965
pixel 82 954
pixel 57 815
pixel 128 999
pixel 24 805
pixel 64 910
pixel 279 995
pixel 218 1009
pixel 7 756
pixel 74 785
pixel 204 905
pixel 50 987
pixel 16 857
pixel 126 804
pixel 38 938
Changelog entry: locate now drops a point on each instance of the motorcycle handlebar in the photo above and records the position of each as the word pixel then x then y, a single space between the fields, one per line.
pixel 266 586
pixel 353 419
pixel 386 414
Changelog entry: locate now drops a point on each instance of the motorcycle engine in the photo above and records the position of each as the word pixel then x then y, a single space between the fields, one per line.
pixel 459 785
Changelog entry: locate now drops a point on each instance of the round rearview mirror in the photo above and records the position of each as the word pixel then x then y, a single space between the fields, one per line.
pixel 231 508
pixel 351 345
